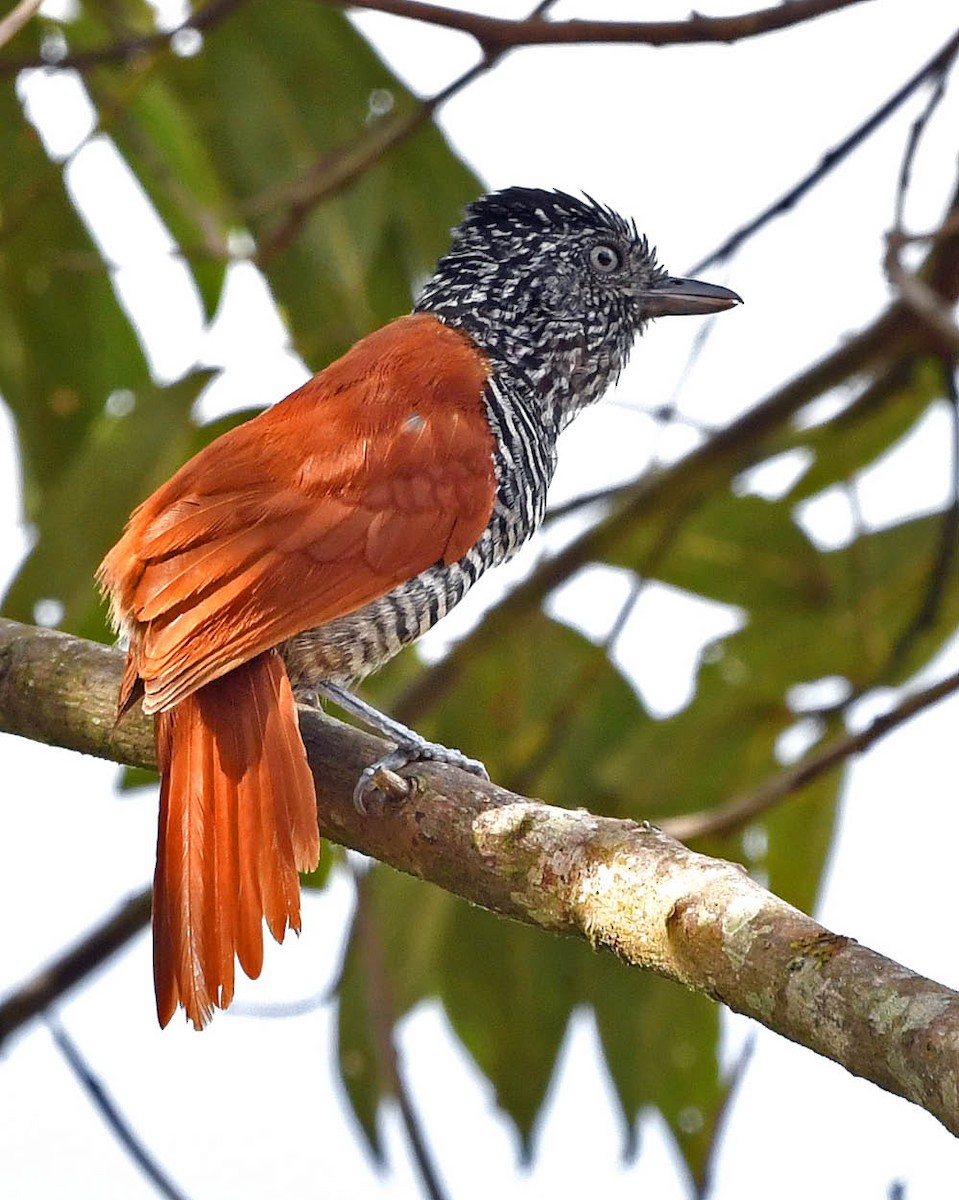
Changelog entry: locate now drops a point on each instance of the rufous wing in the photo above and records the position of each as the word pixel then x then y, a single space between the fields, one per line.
pixel 379 467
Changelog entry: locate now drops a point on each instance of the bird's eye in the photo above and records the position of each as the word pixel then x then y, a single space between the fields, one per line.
pixel 605 258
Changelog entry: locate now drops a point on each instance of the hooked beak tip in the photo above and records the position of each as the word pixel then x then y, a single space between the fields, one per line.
pixel 672 297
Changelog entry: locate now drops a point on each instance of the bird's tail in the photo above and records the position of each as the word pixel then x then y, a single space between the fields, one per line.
pixel 237 823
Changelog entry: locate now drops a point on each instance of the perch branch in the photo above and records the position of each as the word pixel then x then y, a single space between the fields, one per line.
pixel 621 885
pixel 496 34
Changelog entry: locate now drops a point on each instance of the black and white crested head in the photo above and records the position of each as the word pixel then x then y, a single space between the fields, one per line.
pixel 555 290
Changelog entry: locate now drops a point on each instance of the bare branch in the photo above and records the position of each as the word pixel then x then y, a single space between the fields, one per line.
pixel 728 817
pixel 108 1109
pixel 937 65
pixel 624 886
pixel 915 291
pixel 15 20
pixel 127 50
pixel 496 34
pixel 53 981
pixel 923 301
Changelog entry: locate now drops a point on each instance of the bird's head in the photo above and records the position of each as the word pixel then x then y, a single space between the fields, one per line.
pixel 557 287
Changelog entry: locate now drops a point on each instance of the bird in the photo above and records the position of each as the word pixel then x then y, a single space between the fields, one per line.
pixel 302 549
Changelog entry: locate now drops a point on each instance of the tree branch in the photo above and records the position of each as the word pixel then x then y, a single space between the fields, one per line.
pixel 940 62
pixel 127 50
pixel 624 886
pixel 14 21
pixel 726 818
pixel 51 982
pixel 496 34
pixel 118 1124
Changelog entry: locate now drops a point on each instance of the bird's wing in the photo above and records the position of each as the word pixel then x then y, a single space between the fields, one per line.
pixel 375 470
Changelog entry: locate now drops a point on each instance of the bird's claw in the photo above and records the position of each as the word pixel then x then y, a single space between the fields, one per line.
pixel 412 752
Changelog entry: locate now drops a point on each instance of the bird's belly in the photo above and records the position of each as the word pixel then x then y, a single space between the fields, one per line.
pixel 351 646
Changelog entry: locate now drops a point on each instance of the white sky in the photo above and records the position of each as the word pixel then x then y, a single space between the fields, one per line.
pixel 692 143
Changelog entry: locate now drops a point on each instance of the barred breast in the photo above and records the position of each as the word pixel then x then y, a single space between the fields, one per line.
pixel 346 649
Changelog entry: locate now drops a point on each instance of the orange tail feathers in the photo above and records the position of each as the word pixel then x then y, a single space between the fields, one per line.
pixel 237 824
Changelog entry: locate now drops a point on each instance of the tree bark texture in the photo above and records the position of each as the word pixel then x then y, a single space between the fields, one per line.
pixel 622 885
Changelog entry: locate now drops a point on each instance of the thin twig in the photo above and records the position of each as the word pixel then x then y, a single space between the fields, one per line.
pixel 915 291
pixel 949 228
pixel 51 982
pixel 733 1083
pixel 503 33
pixel 627 608
pixel 128 49
pixel 336 170
pixel 14 21
pixel 916 131
pixel 939 62
pixel 732 816
pixel 383 1028
pixel 108 1109
pixel 937 314
pixel 941 567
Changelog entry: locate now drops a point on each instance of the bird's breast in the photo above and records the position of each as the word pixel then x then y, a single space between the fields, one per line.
pixel 351 646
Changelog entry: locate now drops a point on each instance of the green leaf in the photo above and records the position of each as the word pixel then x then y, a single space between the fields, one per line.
pixel 509 991
pixel 270 98
pixel 65 342
pixel 661 1045
pixel 115 465
pixel 739 550
pixel 391 963
pixel 861 433
pixel 158 136
pixel 800 831
pixel 132 778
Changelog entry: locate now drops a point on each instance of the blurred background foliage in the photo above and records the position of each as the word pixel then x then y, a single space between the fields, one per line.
pixel 271 142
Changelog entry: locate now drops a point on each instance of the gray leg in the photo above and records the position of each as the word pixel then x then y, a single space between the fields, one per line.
pixel 410 746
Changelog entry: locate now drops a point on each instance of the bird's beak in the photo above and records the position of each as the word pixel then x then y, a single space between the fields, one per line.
pixel 671 297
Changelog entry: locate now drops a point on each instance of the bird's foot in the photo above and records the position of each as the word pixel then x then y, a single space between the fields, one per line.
pixel 410 746
pixel 412 750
